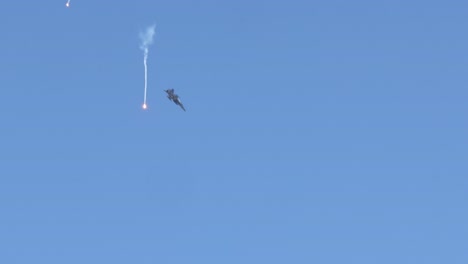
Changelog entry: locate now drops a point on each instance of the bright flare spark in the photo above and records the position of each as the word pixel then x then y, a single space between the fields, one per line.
pixel 144 106
pixel 68 4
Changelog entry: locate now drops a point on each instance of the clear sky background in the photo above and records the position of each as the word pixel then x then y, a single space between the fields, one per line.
pixel 315 132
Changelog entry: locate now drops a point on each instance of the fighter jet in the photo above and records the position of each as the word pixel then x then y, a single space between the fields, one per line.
pixel 174 97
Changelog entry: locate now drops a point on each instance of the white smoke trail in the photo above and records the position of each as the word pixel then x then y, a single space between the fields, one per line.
pixel 146 40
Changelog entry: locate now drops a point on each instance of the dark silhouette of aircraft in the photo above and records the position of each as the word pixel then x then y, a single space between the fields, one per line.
pixel 174 97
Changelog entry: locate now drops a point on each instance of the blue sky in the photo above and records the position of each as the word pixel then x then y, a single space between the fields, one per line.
pixel 315 132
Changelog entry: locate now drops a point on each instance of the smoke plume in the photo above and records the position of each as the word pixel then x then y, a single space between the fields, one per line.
pixel 146 40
